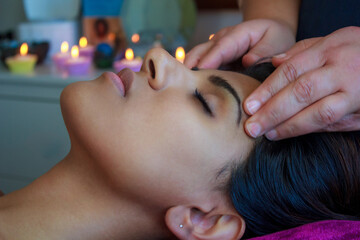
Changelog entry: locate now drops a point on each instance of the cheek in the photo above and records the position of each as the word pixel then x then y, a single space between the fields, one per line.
pixel 161 152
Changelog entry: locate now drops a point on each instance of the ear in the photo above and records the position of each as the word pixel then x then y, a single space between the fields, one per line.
pixel 192 223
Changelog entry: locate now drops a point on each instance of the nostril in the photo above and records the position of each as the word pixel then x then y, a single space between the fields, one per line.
pixel 152 68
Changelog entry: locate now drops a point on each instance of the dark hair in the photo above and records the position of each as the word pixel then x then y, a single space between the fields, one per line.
pixel 288 183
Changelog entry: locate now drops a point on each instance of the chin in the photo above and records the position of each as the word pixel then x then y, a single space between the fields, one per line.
pixel 85 108
pixel 75 103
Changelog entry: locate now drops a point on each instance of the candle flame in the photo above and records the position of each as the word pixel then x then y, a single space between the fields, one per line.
pixel 211 36
pixel 180 54
pixel 135 38
pixel 129 54
pixel 83 42
pixel 75 52
pixel 24 49
pixel 112 37
pixel 64 47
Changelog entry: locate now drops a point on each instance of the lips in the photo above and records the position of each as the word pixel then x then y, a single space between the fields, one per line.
pixel 127 77
pixel 123 81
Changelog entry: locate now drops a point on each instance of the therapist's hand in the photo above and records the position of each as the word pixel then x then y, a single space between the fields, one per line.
pixel 315 88
pixel 257 38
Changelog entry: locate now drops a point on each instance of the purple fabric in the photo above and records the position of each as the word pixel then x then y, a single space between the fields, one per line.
pixel 324 230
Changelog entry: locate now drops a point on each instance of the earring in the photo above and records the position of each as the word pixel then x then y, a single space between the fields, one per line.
pixel 181 226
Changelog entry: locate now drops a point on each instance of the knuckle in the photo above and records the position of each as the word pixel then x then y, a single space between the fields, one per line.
pixel 352 29
pixel 303 90
pixel 270 89
pixel 289 130
pixel 274 116
pixel 289 72
pixel 326 115
pixel 304 44
pixel 224 41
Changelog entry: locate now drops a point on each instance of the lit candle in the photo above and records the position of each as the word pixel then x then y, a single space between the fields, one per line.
pixel 77 65
pixel 211 36
pixel 135 38
pixel 85 49
pixel 128 62
pixel 23 62
pixel 180 54
pixel 61 57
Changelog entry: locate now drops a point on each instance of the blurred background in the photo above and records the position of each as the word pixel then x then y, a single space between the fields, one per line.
pixel 46 45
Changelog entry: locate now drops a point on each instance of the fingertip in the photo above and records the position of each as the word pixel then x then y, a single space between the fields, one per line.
pixel 251 106
pixel 188 64
pixel 272 135
pixel 249 59
pixel 279 59
pixel 252 129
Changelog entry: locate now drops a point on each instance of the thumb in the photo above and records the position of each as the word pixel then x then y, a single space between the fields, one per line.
pixel 266 47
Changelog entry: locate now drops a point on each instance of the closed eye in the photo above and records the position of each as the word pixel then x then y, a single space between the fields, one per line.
pixel 203 101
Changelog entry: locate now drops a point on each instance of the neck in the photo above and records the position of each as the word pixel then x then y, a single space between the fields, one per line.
pixel 74 201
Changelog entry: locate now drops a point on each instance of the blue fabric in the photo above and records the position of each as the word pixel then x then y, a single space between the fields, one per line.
pixel 321 17
pixel 105 8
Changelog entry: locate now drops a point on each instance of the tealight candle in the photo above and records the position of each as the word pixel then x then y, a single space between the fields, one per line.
pixel 23 62
pixel 180 54
pixel 128 62
pixel 85 49
pixel 135 38
pixel 61 57
pixel 77 65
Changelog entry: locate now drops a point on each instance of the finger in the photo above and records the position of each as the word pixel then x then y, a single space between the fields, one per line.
pixel 193 57
pixel 285 74
pixel 263 49
pixel 297 48
pixel 315 118
pixel 228 48
pixel 350 122
pixel 306 90
pixel 260 50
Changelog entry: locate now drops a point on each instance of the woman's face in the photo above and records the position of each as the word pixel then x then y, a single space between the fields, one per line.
pixel 161 141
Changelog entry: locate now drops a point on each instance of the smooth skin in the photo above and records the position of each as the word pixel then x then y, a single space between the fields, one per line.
pixel 150 164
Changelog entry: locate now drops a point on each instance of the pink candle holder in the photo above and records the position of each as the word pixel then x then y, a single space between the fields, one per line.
pixel 78 66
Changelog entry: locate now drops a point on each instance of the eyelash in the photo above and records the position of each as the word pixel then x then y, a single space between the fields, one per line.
pixel 203 101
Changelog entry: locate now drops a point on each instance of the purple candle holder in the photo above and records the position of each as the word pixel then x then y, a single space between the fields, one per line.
pixel 134 65
pixel 60 60
pixel 78 66
pixel 87 51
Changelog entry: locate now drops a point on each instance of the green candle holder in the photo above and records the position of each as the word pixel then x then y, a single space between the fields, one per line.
pixel 21 64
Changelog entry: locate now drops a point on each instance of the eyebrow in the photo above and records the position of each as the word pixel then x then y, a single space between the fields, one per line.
pixel 220 82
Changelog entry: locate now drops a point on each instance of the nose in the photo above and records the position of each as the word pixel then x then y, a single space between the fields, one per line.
pixel 161 68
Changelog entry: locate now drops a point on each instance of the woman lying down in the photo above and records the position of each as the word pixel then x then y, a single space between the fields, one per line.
pixel 162 154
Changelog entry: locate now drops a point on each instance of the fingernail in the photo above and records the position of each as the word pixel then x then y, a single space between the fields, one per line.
pixel 254 129
pixel 253 106
pixel 271 135
pixel 280 55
